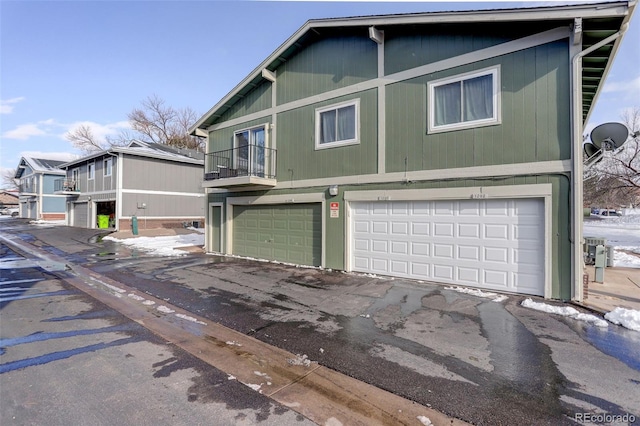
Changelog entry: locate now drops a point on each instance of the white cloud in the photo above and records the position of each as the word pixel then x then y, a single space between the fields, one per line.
pixel 25 131
pixel 52 128
pixel 627 86
pixel 6 106
pixel 100 131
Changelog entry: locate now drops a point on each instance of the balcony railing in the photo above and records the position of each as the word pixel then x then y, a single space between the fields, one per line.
pixel 27 189
pixel 247 161
pixel 66 186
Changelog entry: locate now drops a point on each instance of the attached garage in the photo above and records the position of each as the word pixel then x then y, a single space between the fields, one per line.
pixel 495 244
pixel 80 214
pixel 289 233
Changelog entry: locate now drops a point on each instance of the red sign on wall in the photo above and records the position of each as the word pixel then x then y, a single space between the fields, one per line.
pixel 335 209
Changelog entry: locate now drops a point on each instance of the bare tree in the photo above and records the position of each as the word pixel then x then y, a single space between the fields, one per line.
pixel 154 122
pixel 159 123
pixel 8 179
pixel 615 179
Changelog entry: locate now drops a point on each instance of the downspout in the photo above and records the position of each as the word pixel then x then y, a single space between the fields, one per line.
pixel 577 129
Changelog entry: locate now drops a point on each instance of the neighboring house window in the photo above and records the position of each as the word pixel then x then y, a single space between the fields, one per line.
pixel 108 165
pixel 465 101
pixel 91 171
pixel 250 150
pixel 338 125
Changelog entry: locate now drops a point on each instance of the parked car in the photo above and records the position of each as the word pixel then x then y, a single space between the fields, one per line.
pixel 610 213
pixel 10 211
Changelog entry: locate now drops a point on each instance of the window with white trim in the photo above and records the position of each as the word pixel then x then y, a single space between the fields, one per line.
pixel 338 125
pixel 108 166
pixel 91 171
pixel 465 101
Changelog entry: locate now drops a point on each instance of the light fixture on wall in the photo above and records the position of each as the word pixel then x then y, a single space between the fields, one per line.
pixel 333 190
pixel 89 198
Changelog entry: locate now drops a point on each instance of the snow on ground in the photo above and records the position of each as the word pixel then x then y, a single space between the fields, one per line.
pixel 566 311
pixel 475 292
pixel 628 318
pixel 164 245
pixel 621 232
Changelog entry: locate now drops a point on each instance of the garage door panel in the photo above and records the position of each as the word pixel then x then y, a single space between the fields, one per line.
pixel 469 230
pixel 420 249
pixel 500 232
pixel 493 244
pixel 443 229
pixel 496 254
pixel 443 272
pixel 469 275
pixel 469 253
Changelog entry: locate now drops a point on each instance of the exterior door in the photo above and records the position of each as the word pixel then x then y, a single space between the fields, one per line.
pixel 81 215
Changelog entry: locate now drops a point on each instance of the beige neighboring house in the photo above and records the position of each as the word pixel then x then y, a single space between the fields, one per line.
pixel 159 185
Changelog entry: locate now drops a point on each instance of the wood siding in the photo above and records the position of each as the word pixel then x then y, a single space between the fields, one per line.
pixel 160 205
pixel 256 100
pixel 535 116
pixel 325 65
pixel 151 174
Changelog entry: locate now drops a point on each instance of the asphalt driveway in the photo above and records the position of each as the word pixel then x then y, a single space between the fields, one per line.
pixel 473 358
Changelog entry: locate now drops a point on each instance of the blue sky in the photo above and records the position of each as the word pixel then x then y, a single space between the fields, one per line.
pixel 63 64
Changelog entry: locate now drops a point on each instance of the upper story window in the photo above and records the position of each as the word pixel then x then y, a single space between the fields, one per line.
pixel 91 171
pixel 465 101
pixel 108 166
pixel 338 125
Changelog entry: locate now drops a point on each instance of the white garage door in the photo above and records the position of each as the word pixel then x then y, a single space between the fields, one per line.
pixel 490 244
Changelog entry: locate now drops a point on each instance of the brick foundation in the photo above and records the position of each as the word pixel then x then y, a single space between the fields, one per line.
pixel 585 286
pixel 54 216
pixel 125 224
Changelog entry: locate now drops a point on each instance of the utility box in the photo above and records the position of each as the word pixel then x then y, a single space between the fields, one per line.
pixel 589 248
pixel 134 225
pixel 609 256
pixel 601 262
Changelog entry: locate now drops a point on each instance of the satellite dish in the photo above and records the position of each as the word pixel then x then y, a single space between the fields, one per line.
pixel 609 136
pixel 590 149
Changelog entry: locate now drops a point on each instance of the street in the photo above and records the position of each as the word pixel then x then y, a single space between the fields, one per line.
pixel 474 359
pixel 67 359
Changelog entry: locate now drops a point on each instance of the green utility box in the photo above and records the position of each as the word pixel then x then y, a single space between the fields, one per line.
pixel 103 221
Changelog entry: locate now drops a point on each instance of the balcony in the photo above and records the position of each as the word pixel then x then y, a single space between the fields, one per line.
pixel 247 166
pixel 25 189
pixel 66 187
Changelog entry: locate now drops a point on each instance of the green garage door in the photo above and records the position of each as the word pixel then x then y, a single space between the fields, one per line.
pixel 287 233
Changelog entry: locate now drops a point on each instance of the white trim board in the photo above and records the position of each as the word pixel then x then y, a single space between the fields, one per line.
pixel 144 191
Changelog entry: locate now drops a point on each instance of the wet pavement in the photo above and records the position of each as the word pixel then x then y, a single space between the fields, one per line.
pixel 481 361
pixel 66 358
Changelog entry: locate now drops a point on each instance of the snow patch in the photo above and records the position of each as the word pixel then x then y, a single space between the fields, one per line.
pixel 233 343
pixel 475 292
pixel 628 318
pixel 148 302
pixel 300 360
pixel 163 245
pixel 164 309
pixel 135 297
pixel 192 319
pixel 565 311
pixel 426 421
pixel 231 377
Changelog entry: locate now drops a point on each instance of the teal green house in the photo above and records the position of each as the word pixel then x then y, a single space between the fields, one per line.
pixel 440 147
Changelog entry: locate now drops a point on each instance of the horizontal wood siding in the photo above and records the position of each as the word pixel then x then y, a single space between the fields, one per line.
pixel 325 65
pixel 535 116
pixel 158 205
pixel 142 173
pixel 297 157
pixel 256 100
